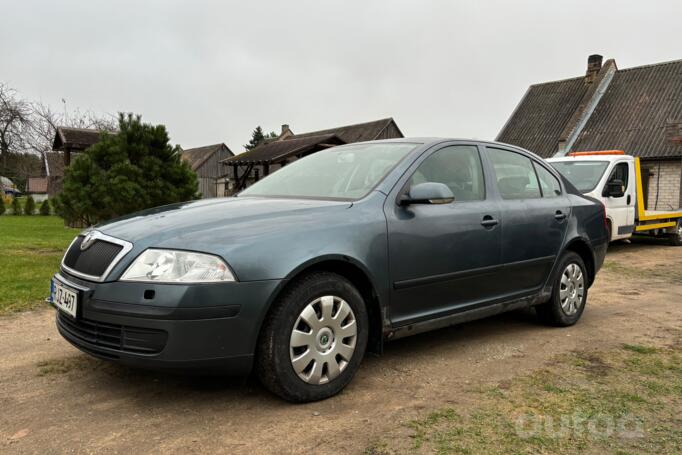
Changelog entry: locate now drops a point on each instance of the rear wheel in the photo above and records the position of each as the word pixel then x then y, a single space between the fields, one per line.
pixel 314 339
pixel 569 292
pixel 676 238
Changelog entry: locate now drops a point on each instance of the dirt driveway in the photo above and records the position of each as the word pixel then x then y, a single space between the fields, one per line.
pixel 53 399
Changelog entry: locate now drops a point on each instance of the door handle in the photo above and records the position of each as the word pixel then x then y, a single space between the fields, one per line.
pixel 629 199
pixel 489 222
pixel 559 215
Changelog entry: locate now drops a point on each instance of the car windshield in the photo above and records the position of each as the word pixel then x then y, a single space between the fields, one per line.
pixel 348 172
pixel 584 175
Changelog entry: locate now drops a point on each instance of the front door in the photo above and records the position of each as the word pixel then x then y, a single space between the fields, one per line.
pixel 534 213
pixel 443 257
pixel 622 209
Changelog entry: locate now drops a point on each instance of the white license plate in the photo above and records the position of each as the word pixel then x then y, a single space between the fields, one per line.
pixel 64 298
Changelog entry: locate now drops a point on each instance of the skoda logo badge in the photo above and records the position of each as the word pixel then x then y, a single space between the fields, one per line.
pixel 87 241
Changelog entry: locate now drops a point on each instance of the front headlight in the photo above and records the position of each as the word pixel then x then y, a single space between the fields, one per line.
pixel 170 266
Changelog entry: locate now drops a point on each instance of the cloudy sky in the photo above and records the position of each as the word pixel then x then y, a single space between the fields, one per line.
pixel 212 71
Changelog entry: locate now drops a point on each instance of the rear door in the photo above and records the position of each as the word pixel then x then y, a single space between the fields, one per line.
pixel 534 213
pixel 443 258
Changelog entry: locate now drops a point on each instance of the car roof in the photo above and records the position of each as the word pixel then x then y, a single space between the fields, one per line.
pixel 431 140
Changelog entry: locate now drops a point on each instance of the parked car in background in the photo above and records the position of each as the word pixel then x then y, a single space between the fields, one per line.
pixel 330 256
pixel 615 178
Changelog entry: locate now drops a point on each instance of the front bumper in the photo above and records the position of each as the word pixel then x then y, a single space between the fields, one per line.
pixel 196 326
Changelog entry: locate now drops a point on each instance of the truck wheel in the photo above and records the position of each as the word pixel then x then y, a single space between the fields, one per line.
pixel 314 339
pixel 676 238
pixel 569 292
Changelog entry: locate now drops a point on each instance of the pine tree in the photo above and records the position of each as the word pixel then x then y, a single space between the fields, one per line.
pixel 45 208
pixel 30 206
pixel 16 208
pixel 133 169
pixel 256 138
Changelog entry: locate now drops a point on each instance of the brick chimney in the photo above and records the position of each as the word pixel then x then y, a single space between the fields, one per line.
pixel 593 67
pixel 286 132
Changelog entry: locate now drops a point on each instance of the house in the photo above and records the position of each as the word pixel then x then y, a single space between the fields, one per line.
pixel 36 187
pixel 68 143
pixel 74 140
pixel 207 163
pixel 638 110
pixel 246 168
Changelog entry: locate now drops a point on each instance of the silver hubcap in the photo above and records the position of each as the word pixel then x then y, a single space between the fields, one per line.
pixel 323 339
pixel 572 289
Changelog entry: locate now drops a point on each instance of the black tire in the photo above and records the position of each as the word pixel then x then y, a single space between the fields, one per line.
pixel 273 363
pixel 676 239
pixel 552 312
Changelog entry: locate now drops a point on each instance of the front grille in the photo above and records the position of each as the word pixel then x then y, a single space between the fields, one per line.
pixel 94 260
pixel 135 340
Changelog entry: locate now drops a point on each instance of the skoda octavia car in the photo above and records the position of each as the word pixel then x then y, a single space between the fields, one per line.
pixel 330 256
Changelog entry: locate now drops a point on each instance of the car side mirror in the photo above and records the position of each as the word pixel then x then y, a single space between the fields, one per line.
pixel 428 193
pixel 614 188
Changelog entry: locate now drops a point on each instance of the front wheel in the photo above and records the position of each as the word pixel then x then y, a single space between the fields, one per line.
pixel 569 293
pixel 314 339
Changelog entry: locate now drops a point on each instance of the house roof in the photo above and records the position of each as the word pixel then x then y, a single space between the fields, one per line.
pixel 36 185
pixel 358 132
pixel 542 114
pixel 278 150
pixel 197 156
pixel 636 112
pixel 75 138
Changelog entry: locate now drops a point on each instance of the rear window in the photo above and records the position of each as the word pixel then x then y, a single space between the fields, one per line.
pixel 584 175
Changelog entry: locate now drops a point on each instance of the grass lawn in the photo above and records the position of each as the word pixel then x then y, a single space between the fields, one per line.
pixel 623 401
pixel 31 248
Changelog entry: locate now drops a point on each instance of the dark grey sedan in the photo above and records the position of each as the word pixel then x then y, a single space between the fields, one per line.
pixel 331 256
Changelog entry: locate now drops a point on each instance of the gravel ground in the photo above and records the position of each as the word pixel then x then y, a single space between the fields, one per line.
pixel 55 399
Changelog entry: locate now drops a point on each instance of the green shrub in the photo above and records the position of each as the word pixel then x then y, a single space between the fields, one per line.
pixel 16 207
pixel 2 206
pixel 30 206
pixel 45 208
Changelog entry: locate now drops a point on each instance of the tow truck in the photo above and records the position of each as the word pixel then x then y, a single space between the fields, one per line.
pixel 616 179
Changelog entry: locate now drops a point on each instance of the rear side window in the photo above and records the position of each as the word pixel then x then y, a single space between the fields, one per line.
pixel 548 183
pixel 457 166
pixel 515 175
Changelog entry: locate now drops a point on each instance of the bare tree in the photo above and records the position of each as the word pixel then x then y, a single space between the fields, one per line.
pixel 15 122
pixel 45 120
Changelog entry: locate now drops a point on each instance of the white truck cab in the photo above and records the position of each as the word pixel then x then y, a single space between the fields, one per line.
pixel 614 178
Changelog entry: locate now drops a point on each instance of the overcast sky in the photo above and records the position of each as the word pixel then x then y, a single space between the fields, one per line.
pixel 212 71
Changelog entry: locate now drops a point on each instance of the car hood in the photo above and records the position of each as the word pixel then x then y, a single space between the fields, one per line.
pixel 183 225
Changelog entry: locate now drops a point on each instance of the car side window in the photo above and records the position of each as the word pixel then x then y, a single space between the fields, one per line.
pixel 620 172
pixel 548 183
pixel 457 166
pixel 515 175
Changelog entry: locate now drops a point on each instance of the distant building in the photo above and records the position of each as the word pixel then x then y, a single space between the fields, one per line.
pixel 246 168
pixel 37 188
pixel 68 143
pixel 206 162
pixel 638 110
pixel 8 188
